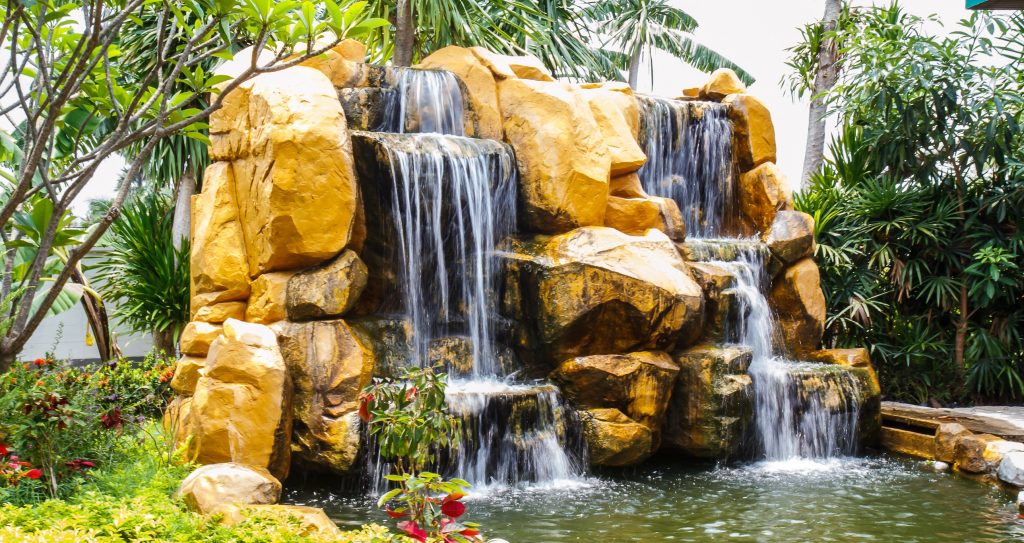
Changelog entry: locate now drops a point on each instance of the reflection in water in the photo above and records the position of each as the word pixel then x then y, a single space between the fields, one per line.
pixel 840 500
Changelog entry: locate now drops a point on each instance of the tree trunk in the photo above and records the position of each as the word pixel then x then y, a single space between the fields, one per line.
pixel 96 314
pixel 163 340
pixel 634 66
pixel 182 221
pixel 960 340
pixel 405 34
pixel 825 79
pixel 6 360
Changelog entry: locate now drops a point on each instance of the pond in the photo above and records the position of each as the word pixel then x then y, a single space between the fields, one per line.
pixel 882 498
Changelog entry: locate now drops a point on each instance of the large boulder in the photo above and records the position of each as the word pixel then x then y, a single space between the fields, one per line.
pixel 761 194
pixel 218 263
pixel 327 291
pixel 1011 468
pixel 286 135
pixel 480 83
pixel 186 374
pixel 638 215
pixel 212 488
pixel 791 237
pixel 799 303
pixel 627 186
pixel 712 404
pixel 637 384
pixel 342 64
pixel 241 409
pixel 722 83
pixel 618 117
pixel 598 291
pixel 564 162
pixel 268 299
pixel 614 439
pixel 219 312
pixel 753 130
pixel 328 365
pixel 509 66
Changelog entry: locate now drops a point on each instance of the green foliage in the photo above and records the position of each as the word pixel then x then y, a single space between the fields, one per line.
pixel 635 27
pixel 132 499
pixel 142 272
pixel 66 421
pixel 412 425
pixel 918 208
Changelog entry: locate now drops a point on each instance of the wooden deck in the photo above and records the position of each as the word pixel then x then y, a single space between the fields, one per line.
pixel 1004 422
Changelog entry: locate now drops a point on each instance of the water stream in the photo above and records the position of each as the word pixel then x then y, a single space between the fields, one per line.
pixel 689 159
pixel 424 101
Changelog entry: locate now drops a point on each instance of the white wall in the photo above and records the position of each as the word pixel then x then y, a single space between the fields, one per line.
pixel 73 325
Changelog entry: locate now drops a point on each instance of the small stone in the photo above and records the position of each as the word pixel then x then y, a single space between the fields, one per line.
pixel 1011 469
pixel 186 374
pixel 722 83
pixel 197 337
pixel 1020 502
pixel 940 466
pixel 970 453
pixel 215 486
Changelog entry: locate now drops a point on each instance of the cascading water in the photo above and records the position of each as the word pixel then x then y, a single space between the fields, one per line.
pixel 801 410
pixel 690 160
pixel 424 101
pixel 453 201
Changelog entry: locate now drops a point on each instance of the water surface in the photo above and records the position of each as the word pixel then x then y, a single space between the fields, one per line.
pixel 843 500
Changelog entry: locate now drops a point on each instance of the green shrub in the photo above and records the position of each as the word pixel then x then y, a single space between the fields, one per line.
pixel 131 499
pixel 66 421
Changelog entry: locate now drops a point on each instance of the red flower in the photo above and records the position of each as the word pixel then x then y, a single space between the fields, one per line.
pixel 112 419
pixel 34 473
pixel 364 408
pixel 396 514
pixel 411 393
pixel 453 509
pixel 40 362
pixel 469 532
pixel 4 451
pixel 413 530
pixel 87 464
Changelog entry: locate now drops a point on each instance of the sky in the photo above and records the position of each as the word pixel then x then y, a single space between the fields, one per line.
pixel 753 33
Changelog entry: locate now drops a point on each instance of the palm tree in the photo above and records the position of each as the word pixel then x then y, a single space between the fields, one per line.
pixel 825 78
pixel 636 27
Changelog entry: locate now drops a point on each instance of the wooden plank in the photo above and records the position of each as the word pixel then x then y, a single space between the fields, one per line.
pixel 928 418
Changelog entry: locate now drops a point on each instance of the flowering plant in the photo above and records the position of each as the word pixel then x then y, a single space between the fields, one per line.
pixel 411 423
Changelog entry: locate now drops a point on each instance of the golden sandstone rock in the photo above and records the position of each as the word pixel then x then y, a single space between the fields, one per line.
pixel 946 436
pixel 563 160
pixel 196 337
pixel 342 64
pixel 753 131
pixel 614 439
pixel 637 215
pixel 638 384
pixel 327 291
pixel 241 409
pixel 722 83
pixel 711 405
pixel 328 365
pixel 220 312
pixel 218 260
pixel 799 303
pixel 508 66
pixel 969 453
pixel 618 117
pixel 761 194
pixel 593 280
pixel 267 302
pixel 296 188
pixel 480 85
pixel 211 488
pixel 626 186
pixel 186 374
pixel 791 236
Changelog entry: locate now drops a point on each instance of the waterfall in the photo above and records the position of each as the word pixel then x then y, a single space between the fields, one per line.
pixel 801 409
pixel 453 201
pixel 689 159
pixel 452 205
pixel 424 101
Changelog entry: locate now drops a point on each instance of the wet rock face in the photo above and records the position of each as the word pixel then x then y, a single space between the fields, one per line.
pixel 328 291
pixel 946 436
pixel 328 365
pixel 637 384
pixel 712 402
pixel 791 237
pixel 598 291
pixel 614 439
pixel 753 130
pixel 800 305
